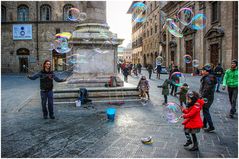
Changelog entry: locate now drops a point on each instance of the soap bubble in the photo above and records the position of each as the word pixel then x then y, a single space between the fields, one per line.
pixel 73 14
pixel 61 45
pixel 198 22
pixel 139 12
pixel 178 79
pixel 82 16
pixel 187 58
pixel 195 63
pixel 173 28
pixel 172 112
pixel 159 60
pixel 185 16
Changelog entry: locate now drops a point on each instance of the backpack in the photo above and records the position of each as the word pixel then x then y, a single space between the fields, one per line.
pixel 83 96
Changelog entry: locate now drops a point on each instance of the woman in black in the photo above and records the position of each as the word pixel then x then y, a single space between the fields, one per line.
pixel 46 85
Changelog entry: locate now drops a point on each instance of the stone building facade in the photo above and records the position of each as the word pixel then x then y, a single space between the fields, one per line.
pixel 146 35
pixel 216 43
pixel 137 39
pixel 44 19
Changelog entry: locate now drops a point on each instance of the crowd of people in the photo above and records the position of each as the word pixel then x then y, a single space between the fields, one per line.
pixel 192 102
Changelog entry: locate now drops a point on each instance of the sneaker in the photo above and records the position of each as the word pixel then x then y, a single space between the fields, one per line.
pixel 210 129
pixel 217 91
pixel 52 117
pixel 45 117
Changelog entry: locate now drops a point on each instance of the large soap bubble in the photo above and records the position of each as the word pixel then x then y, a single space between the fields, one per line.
pixel 172 112
pixel 198 22
pixel 185 16
pixel 173 28
pixel 73 14
pixel 178 79
pixel 139 12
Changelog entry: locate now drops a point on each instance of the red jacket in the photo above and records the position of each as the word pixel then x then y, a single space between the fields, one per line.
pixel 192 115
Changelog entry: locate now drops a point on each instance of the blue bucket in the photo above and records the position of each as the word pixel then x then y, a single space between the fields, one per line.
pixel 111 113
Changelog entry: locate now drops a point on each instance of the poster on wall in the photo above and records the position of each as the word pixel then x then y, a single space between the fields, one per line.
pixel 22 32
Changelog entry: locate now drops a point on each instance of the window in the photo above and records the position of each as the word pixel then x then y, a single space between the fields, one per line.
pixel 58 30
pixel 151 31
pixel 3 13
pixel 22 13
pixel 214 12
pixel 156 28
pixel 151 6
pixel 65 10
pixel 45 13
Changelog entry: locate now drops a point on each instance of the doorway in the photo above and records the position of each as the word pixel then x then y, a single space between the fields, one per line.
pixel 189 51
pixel 23 61
pixel 214 56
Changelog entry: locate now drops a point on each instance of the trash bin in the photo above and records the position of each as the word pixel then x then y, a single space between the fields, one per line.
pixel 111 113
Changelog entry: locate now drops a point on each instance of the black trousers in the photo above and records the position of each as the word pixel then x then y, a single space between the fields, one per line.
pixel 233 92
pixel 174 89
pixel 193 136
pixel 206 114
pixel 165 99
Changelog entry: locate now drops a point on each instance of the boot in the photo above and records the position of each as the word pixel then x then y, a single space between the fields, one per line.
pixel 189 142
pixel 210 129
pixel 194 148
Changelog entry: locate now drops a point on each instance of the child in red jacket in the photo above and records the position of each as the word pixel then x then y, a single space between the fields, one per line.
pixel 193 121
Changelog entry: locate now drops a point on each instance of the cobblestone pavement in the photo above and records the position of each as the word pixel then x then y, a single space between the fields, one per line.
pixel 86 132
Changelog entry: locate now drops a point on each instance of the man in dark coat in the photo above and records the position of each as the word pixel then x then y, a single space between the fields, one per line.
pixel 150 70
pixel 207 88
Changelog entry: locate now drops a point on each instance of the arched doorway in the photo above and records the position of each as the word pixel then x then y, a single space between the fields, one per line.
pixel 23 55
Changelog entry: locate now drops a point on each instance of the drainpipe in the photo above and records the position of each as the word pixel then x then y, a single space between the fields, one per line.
pixel 37 48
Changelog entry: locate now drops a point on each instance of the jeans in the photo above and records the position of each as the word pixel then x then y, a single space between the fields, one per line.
pixel 206 114
pixel 233 91
pixel 150 73
pixel 218 82
pixel 47 96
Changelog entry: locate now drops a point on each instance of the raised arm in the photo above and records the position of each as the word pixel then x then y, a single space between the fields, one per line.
pixel 35 76
pixel 57 79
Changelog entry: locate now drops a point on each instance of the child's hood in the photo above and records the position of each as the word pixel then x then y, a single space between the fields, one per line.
pixel 200 103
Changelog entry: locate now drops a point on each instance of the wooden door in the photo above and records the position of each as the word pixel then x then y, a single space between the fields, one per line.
pixel 214 56
pixel 189 51
pixel 23 63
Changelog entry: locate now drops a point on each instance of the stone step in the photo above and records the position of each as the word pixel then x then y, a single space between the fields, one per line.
pixel 63 96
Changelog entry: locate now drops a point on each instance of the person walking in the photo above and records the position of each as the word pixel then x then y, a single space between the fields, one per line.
pixel 158 70
pixel 126 73
pixel 150 70
pixel 139 66
pixel 46 76
pixel 231 81
pixel 207 89
pixel 182 94
pixel 218 71
pixel 174 80
pixel 165 90
pixel 143 87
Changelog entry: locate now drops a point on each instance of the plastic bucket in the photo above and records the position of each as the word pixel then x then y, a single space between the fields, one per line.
pixel 78 103
pixel 111 113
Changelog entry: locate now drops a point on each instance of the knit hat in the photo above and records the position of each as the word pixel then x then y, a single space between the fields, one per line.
pixel 207 68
